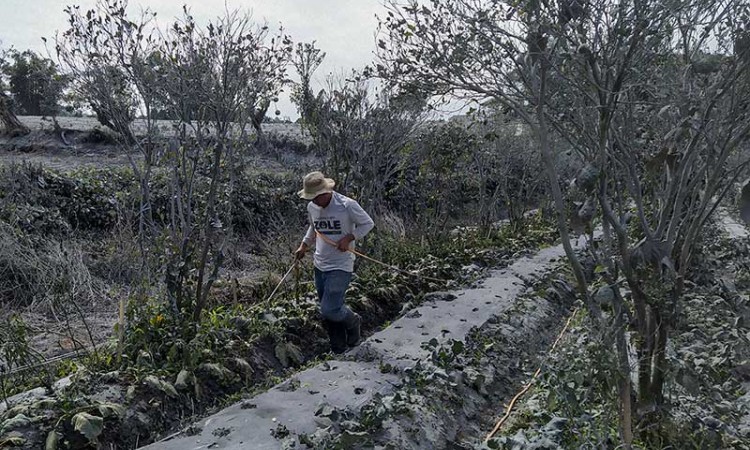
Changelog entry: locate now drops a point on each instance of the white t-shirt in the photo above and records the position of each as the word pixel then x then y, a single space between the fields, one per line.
pixel 342 216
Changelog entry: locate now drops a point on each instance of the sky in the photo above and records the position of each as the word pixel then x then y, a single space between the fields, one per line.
pixel 344 29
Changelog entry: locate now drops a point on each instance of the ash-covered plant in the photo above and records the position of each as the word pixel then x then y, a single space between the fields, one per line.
pixel 651 96
pixel 214 79
pixel 38 274
pixel 362 131
pixel 16 353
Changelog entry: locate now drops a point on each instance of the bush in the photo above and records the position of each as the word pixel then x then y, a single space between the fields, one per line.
pixel 45 202
pixel 266 204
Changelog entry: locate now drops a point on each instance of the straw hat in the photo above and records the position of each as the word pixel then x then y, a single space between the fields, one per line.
pixel 314 184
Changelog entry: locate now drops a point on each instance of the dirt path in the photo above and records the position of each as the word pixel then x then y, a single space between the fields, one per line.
pixel 374 370
pixel 733 228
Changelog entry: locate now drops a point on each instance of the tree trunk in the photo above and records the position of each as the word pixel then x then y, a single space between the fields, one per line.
pixel 548 160
pixel 645 359
pixel 257 121
pixel 623 373
pixel 660 361
pixel 625 388
pixel 207 234
pixel 12 125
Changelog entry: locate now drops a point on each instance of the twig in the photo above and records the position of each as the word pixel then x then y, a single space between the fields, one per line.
pixel 70 355
pixel 512 403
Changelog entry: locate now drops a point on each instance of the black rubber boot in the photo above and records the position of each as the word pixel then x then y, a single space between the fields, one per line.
pixel 336 335
pixel 353 323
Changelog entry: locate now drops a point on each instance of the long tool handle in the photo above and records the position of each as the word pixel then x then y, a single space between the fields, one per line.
pixel 331 242
pixel 282 281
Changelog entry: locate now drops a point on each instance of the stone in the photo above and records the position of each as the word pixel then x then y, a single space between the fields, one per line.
pixel 604 296
pixel 440 297
pixel 713 423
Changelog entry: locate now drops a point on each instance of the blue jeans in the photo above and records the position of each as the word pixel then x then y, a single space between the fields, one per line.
pixel 331 286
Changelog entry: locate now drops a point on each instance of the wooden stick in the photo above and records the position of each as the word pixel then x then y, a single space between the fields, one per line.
pixel 525 389
pixel 362 255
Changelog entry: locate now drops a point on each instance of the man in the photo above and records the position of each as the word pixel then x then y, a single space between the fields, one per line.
pixel 336 221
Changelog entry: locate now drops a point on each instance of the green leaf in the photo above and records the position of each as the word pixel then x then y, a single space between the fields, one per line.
pixel 52 439
pixel 18 421
pixel 88 425
pixel 457 347
pixel 161 385
pixel 111 410
pixel 15 441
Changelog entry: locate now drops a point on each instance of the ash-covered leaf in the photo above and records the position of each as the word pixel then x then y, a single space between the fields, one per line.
pixel 89 426
pixel 161 385
pixel 288 354
pixel 184 379
pixel 111 410
pixel 52 441
pixel 17 421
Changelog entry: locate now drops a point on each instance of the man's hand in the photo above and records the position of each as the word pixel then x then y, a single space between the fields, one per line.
pixel 343 244
pixel 300 252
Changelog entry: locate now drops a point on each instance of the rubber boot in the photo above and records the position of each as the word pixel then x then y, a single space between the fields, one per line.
pixel 336 335
pixel 353 323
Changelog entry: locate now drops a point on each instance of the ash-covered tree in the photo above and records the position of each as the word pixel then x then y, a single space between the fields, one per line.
pixel 213 80
pixel 652 98
pixel 36 86
pixel 105 52
pixel 362 131
pixel 306 59
pixel 8 119
pixel 509 166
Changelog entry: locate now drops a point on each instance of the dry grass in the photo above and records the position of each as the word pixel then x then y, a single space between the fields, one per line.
pixel 41 275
